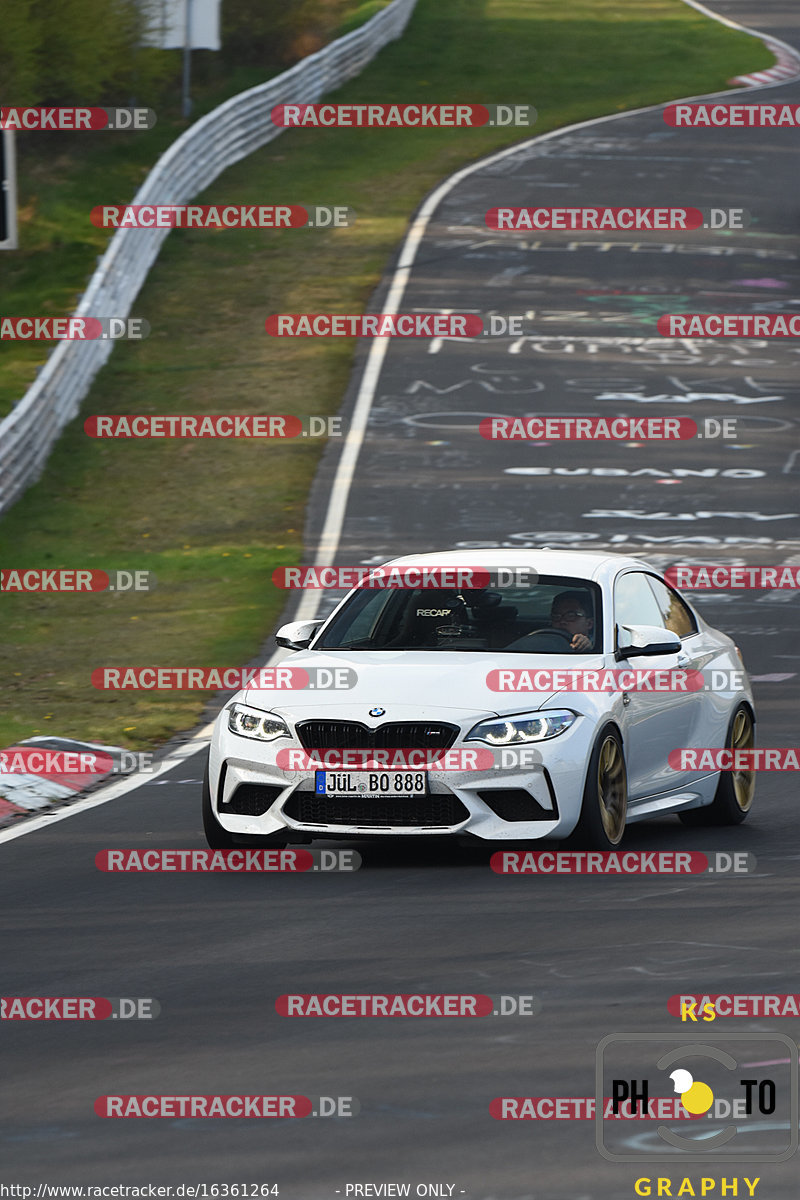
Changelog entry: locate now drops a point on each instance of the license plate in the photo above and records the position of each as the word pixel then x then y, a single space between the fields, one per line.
pixel 371 783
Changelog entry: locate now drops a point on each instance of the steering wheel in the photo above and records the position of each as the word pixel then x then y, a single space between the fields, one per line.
pixel 550 632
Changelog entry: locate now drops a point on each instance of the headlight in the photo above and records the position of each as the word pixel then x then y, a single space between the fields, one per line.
pixel 513 731
pixel 253 723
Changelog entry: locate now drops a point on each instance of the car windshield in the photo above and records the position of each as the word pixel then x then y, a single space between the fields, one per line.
pixel 557 615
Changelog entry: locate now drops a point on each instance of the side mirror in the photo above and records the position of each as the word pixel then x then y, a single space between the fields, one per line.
pixel 297 635
pixel 634 641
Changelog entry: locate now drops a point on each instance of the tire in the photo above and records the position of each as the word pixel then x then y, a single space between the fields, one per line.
pixel 734 795
pixel 605 795
pixel 219 838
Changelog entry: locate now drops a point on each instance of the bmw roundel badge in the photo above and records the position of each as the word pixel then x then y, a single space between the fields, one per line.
pixel 377 712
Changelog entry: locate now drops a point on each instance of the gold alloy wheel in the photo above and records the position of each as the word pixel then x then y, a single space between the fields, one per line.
pixel 612 789
pixel 743 738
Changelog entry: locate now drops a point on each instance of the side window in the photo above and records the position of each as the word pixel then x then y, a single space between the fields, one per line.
pixel 634 602
pixel 674 613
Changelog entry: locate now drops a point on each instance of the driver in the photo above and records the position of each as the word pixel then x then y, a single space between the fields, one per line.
pixel 569 611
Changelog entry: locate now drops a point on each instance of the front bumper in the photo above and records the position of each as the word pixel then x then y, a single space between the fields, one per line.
pixel 537 798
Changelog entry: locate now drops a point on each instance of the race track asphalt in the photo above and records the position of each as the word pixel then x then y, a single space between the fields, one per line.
pixel 602 954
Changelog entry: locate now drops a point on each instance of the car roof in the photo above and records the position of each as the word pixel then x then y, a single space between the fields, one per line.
pixel 578 563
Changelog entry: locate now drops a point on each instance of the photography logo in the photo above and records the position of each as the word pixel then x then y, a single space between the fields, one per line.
pixel 696 1098
pixel 738 1097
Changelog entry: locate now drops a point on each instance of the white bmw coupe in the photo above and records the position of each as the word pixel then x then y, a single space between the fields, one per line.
pixel 557 694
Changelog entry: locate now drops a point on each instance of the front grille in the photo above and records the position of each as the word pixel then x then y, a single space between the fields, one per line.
pixel 432 812
pixel 251 800
pixel 352 735
pixel 515 804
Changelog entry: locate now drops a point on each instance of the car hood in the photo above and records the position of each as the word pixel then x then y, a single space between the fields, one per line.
pixel 414 684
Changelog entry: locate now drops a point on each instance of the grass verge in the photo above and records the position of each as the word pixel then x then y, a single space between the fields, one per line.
pixel 212 519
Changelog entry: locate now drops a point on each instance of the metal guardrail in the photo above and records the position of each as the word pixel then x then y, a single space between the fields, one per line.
pixel 214 143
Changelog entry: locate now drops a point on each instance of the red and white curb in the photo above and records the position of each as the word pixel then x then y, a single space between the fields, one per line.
pixel 22 793
pixel 787 58
pixel 787 67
